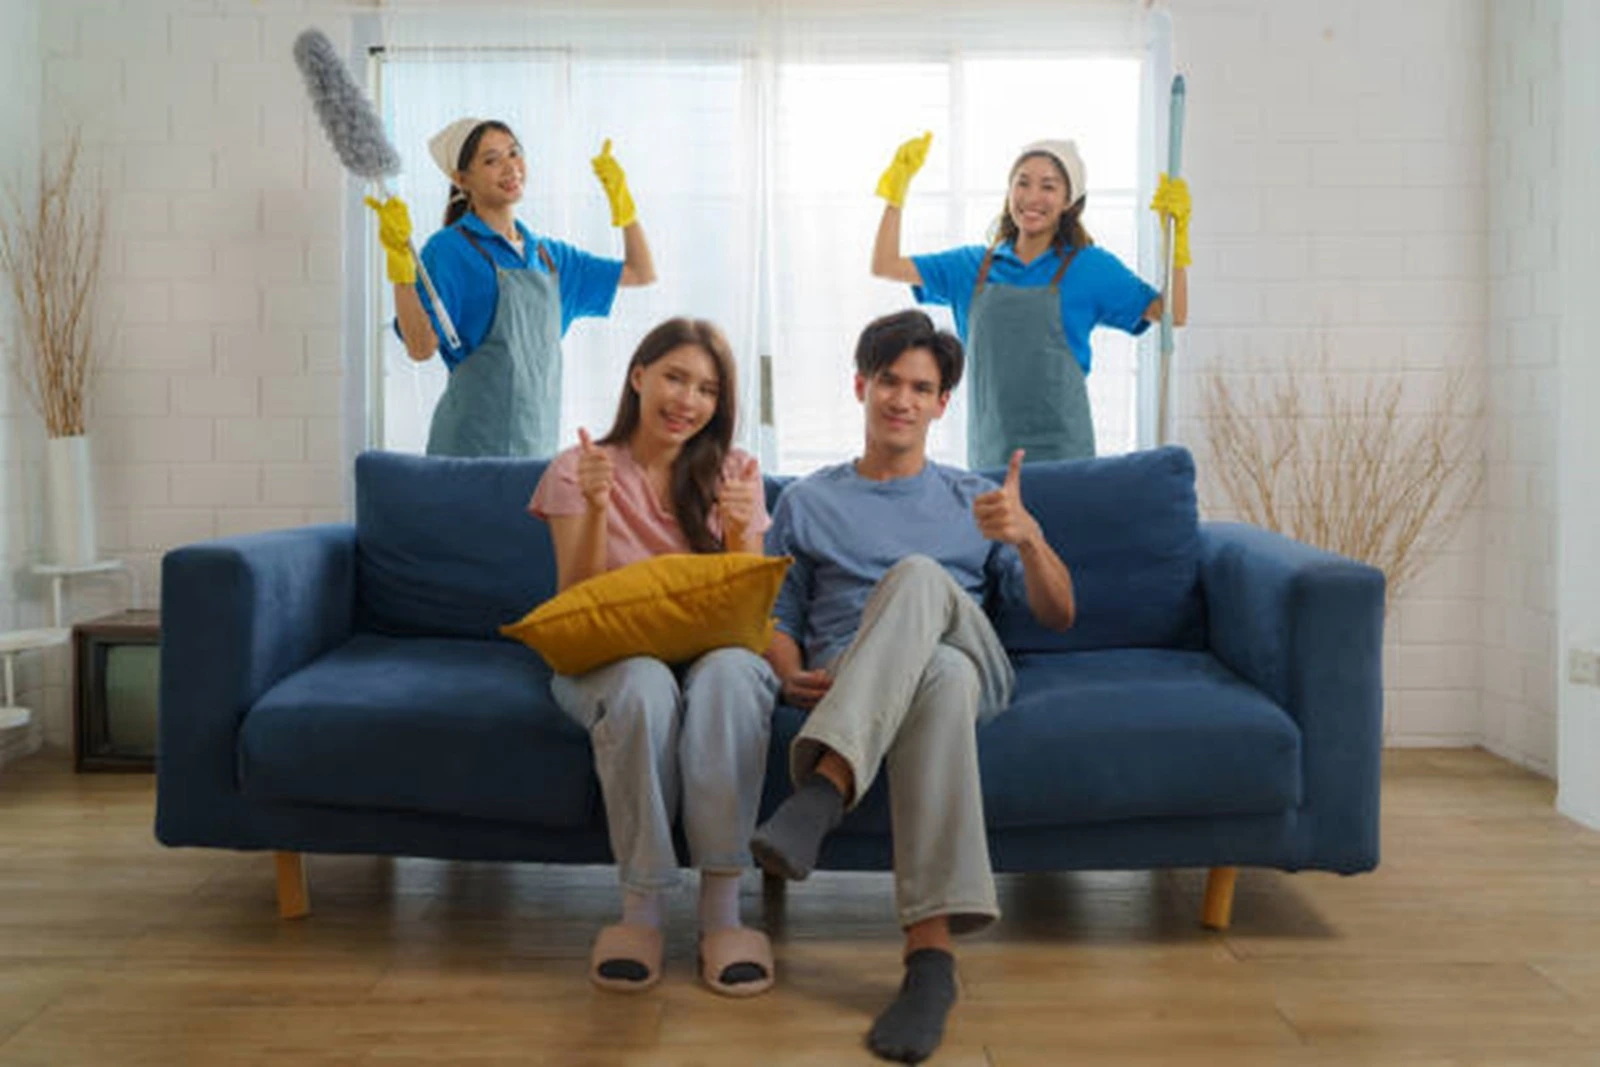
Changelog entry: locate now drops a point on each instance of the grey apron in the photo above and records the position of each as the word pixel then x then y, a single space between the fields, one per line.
pixel 504 398
pixel 1027 390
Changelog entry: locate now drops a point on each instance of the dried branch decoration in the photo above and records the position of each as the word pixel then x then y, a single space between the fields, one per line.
pixel 1361 476
pixel 50 249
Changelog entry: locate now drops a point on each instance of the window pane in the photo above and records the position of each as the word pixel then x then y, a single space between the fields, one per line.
pixel 677 129
pixel 757 199
pixel 825 217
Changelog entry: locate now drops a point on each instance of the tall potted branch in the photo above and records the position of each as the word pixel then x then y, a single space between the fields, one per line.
pixel 1352 471
pixel 51 244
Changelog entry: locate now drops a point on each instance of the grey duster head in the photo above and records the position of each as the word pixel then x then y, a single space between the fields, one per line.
pixel 346 115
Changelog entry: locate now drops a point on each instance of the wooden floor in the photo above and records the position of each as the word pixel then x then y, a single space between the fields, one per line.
pixel 1476 943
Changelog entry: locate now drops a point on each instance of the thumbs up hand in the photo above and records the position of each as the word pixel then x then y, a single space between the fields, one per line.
pixel 615 183
pixel 595 473
pixel 1000 514
pixel 738 500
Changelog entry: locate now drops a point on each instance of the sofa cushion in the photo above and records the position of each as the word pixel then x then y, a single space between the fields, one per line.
pixel 439 725
pixel 446 546
pixel 1128 528
pixel 1105 736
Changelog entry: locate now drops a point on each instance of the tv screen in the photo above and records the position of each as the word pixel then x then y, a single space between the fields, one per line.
pixel 132 686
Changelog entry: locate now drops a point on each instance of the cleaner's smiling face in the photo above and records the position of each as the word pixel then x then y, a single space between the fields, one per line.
pixel 497 172
pixel 1038 196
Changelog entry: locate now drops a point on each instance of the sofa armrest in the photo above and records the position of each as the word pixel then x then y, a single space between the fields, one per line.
pixel 1305 627
pixel 237 615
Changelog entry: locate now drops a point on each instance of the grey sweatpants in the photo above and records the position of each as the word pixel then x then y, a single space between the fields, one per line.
pixel 657 738
pixel 925 669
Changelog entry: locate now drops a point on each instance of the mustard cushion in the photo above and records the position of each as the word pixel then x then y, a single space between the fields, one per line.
pixel 673 607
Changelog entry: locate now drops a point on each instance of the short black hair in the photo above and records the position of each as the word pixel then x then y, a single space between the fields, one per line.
pixel 889 337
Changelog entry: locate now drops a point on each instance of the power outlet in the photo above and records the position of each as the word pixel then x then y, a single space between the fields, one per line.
pixel 1583 666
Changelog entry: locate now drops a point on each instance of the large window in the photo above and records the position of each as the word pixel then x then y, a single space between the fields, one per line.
pixel 754 181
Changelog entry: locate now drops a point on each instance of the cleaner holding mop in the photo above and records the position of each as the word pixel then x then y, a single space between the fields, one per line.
pixel 1025 304
pixel 511 294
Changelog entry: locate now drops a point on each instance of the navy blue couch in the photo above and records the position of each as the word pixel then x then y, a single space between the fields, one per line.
pixel 342 689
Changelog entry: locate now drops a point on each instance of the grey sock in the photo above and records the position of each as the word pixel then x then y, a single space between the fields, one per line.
pixel 787 844
pixel 910 1029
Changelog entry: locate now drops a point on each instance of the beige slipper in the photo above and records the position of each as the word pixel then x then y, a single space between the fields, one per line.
pixel 721 949
pixel 620 942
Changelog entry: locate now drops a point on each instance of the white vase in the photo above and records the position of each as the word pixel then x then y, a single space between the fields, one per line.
pixel 69 488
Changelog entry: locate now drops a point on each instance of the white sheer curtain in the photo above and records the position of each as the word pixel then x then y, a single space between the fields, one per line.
pixel 752 136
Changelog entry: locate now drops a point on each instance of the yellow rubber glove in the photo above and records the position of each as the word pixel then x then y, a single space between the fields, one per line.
pixel 908 159
pixel 615 183
pixel 1172 200
pixel 394 233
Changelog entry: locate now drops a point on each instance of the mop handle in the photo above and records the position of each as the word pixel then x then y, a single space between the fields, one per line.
pixel 1174 165
pixel 445 322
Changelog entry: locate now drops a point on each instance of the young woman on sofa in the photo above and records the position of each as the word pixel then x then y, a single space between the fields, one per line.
pixel 666 479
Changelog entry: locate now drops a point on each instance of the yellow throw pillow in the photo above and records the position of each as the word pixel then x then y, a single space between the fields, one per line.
pixel 673 607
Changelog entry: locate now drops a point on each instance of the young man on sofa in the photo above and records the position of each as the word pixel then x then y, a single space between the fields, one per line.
pixel 883 640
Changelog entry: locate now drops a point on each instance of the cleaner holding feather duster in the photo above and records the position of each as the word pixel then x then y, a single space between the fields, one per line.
pixel 511 293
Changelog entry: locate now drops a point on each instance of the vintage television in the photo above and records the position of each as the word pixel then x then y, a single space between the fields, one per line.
pixel 117 679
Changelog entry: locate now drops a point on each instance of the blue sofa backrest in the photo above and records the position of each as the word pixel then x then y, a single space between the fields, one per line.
pixel 1128 528
pixel 446 546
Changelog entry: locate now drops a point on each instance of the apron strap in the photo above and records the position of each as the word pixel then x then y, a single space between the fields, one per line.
pixel 544 254
pixel 983 269
pixel 1066 261
pixel 988 261
pixel 473 241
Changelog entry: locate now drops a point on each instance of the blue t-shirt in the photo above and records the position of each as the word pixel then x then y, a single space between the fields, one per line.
pixel 466 282
pixel 1097 290
pixel 845 532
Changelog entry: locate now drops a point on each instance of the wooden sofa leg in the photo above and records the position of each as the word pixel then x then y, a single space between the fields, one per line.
pixel 1218 910
pixel 293 901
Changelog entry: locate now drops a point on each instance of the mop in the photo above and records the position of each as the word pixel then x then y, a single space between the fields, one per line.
pixel 1174 161
pixel 357 135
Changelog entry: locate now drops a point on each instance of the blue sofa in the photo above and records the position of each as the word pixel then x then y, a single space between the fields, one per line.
pixel 342 689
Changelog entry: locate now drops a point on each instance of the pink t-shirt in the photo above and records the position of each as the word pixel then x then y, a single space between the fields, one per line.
pixel 638 526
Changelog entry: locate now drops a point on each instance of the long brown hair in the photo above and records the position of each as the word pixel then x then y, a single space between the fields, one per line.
pixel 1069 227
pixel 459 203
pixel 697 470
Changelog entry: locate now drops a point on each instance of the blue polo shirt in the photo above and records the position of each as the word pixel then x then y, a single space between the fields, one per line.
pixel 1097 290
pixel 466 282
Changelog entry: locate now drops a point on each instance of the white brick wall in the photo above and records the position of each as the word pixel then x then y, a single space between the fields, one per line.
pixel 222 265
pixel 1336 152
pixel 1519 590
pixel 1371 178
pixel 1578 483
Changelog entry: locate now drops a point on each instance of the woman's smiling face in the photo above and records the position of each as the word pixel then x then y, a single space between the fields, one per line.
pixel 496 174
pixel 677 394
pixel 1038 197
